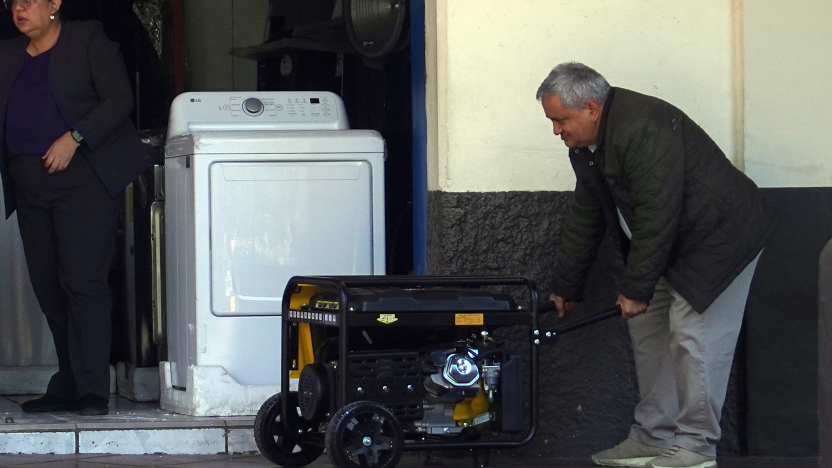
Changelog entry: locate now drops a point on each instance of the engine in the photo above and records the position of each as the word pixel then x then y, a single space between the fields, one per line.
pixel 442 391
pixel 457 393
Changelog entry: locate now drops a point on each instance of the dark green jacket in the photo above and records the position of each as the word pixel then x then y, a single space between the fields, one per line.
pixel 695 219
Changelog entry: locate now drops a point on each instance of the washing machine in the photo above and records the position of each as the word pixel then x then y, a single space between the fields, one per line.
pixel 259 187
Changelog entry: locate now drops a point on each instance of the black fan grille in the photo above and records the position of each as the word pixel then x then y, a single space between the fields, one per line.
pixel 375 26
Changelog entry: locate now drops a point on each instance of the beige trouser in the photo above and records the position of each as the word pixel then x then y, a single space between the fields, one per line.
pixel 683 361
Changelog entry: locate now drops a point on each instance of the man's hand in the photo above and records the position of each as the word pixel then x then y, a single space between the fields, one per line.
pixel 562 306
pixel 630 307
pixel 58 155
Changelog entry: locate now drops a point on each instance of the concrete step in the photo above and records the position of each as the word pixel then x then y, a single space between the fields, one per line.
pixel 130 429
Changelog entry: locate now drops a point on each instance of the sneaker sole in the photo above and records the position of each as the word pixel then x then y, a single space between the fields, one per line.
pixel 638 462
pixel 707 464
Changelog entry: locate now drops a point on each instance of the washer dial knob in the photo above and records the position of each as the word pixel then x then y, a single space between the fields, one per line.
pixel 253 106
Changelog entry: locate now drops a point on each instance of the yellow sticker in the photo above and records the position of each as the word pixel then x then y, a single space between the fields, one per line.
pixel 469 319
pixel 387 319
pixel 332 305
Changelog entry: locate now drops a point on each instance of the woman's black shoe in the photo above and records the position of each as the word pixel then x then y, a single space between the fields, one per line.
pixel 93 405
pixel 48 404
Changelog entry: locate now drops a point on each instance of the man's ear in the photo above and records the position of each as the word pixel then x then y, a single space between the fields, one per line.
pixel 594 109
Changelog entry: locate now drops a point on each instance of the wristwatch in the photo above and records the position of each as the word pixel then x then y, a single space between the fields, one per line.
pixel 76 136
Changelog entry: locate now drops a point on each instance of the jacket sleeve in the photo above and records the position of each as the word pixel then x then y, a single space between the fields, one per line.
pixel 583 231
pixel 111 84
pixel 653 164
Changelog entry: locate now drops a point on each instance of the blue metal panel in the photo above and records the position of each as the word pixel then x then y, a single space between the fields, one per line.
pixel 420 137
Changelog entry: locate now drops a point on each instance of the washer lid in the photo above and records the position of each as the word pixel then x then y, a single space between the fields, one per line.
pixel 275 142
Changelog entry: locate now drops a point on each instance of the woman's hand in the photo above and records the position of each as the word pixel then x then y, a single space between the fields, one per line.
pixel 58 155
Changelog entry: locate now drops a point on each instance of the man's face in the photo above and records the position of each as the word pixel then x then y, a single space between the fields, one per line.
pixel 577 128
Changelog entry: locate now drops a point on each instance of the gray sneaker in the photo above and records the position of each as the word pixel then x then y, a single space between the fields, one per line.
pixel 628 453
pixel 677 457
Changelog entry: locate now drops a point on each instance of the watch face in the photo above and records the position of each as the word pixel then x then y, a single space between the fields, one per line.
pixel 77 136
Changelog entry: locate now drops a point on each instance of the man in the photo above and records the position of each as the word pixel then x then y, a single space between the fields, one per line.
pixel 692 229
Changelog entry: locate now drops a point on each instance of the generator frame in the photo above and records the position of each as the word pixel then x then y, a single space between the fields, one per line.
pixel 345 320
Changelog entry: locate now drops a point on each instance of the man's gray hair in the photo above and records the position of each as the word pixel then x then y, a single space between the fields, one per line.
pixel 575 84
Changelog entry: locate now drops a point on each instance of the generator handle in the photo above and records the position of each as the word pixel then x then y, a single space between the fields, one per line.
pixel 580 323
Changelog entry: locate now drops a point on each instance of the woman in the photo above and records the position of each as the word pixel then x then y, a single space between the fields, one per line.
pixel 67 148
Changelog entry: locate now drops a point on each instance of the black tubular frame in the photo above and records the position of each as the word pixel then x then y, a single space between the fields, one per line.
pixel 343 283
pixel 580 323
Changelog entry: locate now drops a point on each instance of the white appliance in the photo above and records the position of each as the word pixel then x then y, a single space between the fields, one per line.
pixel 260 186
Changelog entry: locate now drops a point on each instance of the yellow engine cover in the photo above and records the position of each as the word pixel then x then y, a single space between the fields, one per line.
pixel 469 408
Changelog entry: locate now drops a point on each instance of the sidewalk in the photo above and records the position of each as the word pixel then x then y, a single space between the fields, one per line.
pixel 135 434
pixel 130 429
pixel 257 461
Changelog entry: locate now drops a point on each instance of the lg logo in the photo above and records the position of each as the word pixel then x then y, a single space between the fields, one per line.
pixel 196 100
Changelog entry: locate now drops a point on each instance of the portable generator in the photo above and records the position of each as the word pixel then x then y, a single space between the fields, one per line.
pixel 387 364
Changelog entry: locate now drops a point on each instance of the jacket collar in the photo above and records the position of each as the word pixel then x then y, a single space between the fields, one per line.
pixel 602 128
pixel 60 44
pixel 14 64
pixel 21 42
pixel 57 65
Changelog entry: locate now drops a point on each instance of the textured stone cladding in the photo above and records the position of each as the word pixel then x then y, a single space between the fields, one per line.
pixel 587 379
pixel 825 357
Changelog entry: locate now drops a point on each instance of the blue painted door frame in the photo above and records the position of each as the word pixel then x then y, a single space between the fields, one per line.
pixel 420 137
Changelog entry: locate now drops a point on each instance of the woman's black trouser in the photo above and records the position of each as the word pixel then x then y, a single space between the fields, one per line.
pixel 68 223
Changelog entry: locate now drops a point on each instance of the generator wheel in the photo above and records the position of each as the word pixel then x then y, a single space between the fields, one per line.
pixel 275 443
pixel 364 434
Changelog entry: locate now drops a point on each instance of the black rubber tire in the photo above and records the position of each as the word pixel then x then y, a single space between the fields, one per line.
pixel 351 424
pixel 274 443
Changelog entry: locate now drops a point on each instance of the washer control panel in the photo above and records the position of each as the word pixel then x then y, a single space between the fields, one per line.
pixel 257 110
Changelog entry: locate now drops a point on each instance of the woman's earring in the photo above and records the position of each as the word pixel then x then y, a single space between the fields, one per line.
pixel 51 17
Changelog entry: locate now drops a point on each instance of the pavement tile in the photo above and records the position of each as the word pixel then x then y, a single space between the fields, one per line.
pixel 202 441
pixel 105 423
pixel 408 461
pixel 259 460
pixel 37 442
pixel 154 460
pixel 72 464
pixel 227 463
pixel 239 421
pixel 40 460
pixel 755 462
pixel 36 427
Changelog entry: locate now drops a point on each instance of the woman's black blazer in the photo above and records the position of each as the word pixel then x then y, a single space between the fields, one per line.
pixel 90 84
